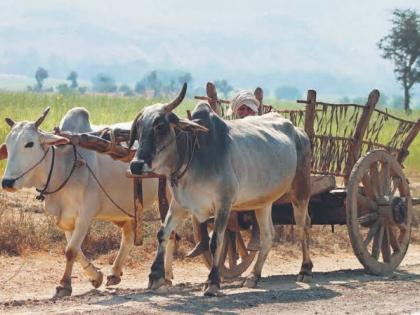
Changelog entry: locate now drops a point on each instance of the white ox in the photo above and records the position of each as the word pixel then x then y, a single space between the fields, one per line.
pixel 30 153
pixel 218 166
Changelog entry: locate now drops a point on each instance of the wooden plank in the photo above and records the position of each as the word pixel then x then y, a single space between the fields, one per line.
pixel 310 114
pixel 259 95
pixel 356 145
pixel 410 138
pixel 214 100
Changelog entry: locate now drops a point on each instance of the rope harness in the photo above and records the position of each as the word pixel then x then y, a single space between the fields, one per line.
pixel 186 155
pixel 43 192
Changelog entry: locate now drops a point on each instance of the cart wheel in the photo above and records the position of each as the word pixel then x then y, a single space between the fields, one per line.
pixel 235 258
pixel 379 212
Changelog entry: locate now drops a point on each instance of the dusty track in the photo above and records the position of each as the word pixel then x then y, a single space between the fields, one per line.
pixel 339 286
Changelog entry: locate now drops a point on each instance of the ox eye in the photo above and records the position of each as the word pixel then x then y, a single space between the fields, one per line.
pixel 160 129
pixel 29 145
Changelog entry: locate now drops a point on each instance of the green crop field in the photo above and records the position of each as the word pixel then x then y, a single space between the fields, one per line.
pixel 106 109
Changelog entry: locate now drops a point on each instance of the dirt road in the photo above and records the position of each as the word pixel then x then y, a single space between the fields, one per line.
pixel 339 286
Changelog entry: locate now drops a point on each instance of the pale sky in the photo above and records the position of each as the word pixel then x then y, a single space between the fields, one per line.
pixel 238 40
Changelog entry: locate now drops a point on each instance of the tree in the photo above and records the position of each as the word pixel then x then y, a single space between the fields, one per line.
pixel 140 88
pixel 63 88
pixel 72 77
pixel 344 100
pixel 287 93
pixel 224 87
pixel 103 83
pixel 126 90
pixel 396 101
pixel 153 82
pixel 361 100
pixel 40 75
pixel 185 78
pixel 402 46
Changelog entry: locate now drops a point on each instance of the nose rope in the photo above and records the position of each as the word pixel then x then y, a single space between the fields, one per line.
pixel 31 168
pixel 103 189
pixel 191 144
pixel 43 192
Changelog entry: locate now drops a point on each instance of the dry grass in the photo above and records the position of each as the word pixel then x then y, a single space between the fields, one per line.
pixel 25 229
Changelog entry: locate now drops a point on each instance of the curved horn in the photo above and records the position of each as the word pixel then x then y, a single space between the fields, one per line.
pixel 10 122
pixel 39 121
pixel 172 105
pixel 133 130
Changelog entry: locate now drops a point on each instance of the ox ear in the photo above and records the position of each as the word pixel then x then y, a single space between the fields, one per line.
pixel 3 152
pixel 50 139
pixel 191 125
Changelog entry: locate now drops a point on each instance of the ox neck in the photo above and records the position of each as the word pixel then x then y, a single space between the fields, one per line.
pixel 186 143
pixel 53 171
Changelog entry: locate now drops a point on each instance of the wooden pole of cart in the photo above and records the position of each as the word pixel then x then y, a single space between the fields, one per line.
pixel 356 144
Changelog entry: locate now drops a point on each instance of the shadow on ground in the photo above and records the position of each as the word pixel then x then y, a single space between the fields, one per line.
pixel 188 297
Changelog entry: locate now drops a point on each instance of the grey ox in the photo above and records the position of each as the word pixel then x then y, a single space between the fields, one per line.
pixel 216 166
pixel 72 195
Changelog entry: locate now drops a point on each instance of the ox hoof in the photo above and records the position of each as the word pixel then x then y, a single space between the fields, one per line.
pixel 98 280
pixel 155 284
pixel 112 280
pixel 250 282
pixel 212 290
pixel 61 291
pixel 305 276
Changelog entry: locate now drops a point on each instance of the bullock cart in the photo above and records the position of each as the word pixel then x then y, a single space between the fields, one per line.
pixel 357 179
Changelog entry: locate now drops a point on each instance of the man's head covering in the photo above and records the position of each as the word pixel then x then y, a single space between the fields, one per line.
pixel 243 98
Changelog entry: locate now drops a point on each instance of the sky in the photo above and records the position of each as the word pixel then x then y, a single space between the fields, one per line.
pixel 327 45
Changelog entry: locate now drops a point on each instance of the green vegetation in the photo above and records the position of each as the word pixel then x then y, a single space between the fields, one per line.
pixel 105 109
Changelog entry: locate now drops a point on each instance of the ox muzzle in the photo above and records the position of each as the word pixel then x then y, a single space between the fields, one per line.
pixel 140 167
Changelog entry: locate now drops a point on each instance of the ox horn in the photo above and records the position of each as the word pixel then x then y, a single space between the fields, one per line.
pixel 10 122
pixel 172 105
pixel 39 121
pixel 133 130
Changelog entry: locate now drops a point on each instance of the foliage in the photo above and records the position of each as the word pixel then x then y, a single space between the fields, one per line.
pixel 140 88
pixel 344 100
pixel 361 100
pixel 63 88
pixel 161 83
pixel 402 46
pixel 126 90
pixel 72 77
pixel 224 87
pixel 40 75
pixel 103 83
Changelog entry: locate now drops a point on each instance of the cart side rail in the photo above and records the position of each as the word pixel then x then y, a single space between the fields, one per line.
pixel 341 133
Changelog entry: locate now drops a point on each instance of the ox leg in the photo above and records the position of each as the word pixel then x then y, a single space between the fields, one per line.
pixel 300 194
pixel 157 274
pixel 220 222
pixel 72 252
pixel 169 255
pixel 94 274
pixel 127 243
pixel 265 223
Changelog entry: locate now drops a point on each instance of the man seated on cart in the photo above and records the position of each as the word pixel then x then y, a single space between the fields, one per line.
pixel 242 105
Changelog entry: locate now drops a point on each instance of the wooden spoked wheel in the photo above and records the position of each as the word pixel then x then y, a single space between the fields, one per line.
pixel 379 212
pixel 235 258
